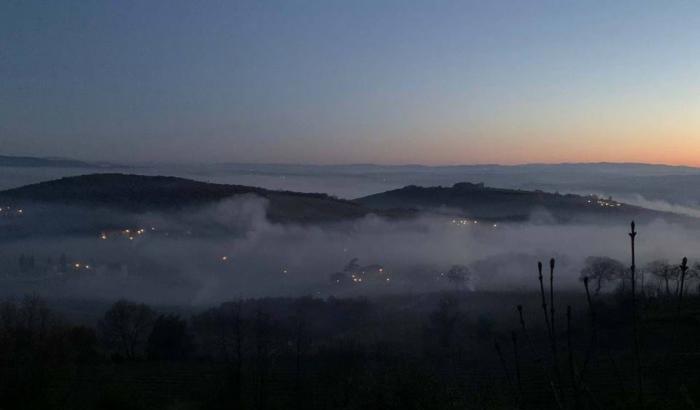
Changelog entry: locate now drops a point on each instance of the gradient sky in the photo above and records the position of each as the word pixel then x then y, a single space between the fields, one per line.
pixel 431 82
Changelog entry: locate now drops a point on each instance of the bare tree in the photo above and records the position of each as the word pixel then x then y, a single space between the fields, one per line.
pixel 301 343
pixel 221 330
pixel 444 320
pixel 126 326
pixel 459 276
pixel 694 277
pixel 601 270
pixel 664 272
pixel 169 339
pixel 263 328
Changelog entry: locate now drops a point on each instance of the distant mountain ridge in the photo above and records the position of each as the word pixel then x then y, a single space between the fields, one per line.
pixel 623 168
pixel 676 185
pixel 21 161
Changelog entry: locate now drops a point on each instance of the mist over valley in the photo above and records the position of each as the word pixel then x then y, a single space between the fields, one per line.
pixel 173 241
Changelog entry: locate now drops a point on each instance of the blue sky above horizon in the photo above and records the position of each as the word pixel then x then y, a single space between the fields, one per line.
pixel 388 82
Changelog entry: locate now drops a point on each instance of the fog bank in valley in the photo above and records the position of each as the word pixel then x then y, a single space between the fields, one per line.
pixel 230 250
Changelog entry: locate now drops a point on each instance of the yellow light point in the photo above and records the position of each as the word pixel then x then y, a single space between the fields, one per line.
pixel 381 269
pixel 77 265
pixel 20 211
pixel 224 258
pixel 103 236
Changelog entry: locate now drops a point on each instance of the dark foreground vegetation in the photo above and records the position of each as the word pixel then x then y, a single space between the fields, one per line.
pixel 633 346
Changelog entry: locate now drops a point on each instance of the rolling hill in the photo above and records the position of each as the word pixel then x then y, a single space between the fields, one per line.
pixel 141 194
pixel 138 193
pixel 479 201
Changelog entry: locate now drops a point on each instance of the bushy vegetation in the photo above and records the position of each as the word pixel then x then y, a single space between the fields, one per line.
pixel 628 339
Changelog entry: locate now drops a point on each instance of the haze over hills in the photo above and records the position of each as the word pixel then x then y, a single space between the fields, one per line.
pixel 139 194
pixel 620 168
pixel 39 162
pixel 661 187
pixel 609 168
pixel 479 201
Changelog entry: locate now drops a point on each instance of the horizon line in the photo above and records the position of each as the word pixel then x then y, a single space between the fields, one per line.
pixel 349 164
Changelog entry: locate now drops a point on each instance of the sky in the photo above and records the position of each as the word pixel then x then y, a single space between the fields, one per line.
pixel 327 82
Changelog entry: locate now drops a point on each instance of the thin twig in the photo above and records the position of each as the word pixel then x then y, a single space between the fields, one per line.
pixel 594 333
pixel 497 346
pixel 553 329
pixel 572 368
pixel 518 378
pixel 537 356
pixel 635 331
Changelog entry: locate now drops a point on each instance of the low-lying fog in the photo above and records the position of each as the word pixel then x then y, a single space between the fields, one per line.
pixel 230 250
pixel 654 186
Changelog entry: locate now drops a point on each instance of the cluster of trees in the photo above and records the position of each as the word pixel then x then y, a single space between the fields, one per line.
pixel 268 353
pixel 34 345
pixel 430 350
pixel 656 278
pixel 131 330
pixel 420 351
pixel 460 277
pixel 28 264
